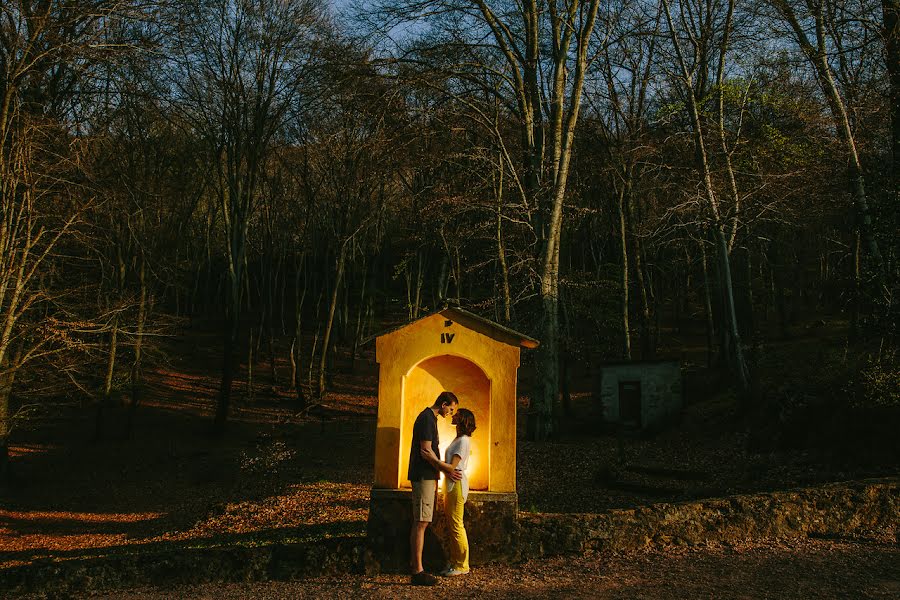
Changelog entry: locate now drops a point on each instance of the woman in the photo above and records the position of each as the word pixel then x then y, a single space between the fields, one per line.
pixel 456 492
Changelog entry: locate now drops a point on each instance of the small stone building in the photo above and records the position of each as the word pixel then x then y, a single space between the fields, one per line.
pixel 640 395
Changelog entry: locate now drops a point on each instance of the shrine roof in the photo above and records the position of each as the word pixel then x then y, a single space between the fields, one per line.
pixel 472 321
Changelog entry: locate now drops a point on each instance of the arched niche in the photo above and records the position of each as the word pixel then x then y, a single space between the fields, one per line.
pixel 422 384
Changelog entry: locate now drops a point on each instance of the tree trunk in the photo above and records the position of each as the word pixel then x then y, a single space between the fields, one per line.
pixel 443 281
pixel 891 14
pixel 342 315
pixel 750 321
pixel 104 402
pixel 707 306
pixel 647 350
pixel 623 244
pixel 501 250
pixel 565 359
pixel 737 359
pixel 271 290
pixel 781 301
pixel 249 395
pixel 360 316
pixel 564 381
pixel 723 142
pixel 330 321
pixel 136 366
pixel 315 341
pixel 223 403
pixel 407 276
pixel 459 275
pixel 273 367
pixel 540 417
pixel 817 54
pixel 5 420
pixel 296 353
pixel 420 278
pixel 856 307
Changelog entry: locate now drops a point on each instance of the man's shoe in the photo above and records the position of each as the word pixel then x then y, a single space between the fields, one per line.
pixel 423 578
pixel 453 572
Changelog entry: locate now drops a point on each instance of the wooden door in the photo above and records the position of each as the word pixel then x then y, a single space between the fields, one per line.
pixel 630 403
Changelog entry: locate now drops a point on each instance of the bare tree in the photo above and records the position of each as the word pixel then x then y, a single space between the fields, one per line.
pixel 813 31
pixel 48 53
pixel 539 51
pixel 240 67
pixel 690 68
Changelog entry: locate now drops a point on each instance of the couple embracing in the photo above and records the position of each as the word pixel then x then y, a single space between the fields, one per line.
pixel 425 467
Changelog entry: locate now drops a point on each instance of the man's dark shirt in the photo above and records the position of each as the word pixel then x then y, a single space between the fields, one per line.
pixel 425 428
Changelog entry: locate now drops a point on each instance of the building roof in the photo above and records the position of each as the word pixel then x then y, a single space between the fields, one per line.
pixel 470 320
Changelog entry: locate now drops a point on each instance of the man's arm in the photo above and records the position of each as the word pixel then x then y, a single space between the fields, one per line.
pixel 448 468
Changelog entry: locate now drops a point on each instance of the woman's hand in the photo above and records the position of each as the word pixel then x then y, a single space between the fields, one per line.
pixel 429 455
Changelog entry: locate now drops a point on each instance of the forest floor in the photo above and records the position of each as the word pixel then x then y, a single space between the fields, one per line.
pixel 783 570
pixel 278 475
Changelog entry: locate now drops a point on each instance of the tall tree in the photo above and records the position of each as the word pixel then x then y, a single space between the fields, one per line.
pixel 693 70
pixel 812 24
pixel 49 51
pixel 239 67
pixel 540 51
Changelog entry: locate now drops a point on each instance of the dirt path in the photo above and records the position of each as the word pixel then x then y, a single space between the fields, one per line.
pixel 794 569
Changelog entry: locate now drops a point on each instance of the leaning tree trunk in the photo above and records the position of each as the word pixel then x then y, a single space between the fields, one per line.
pixel 360 314
pixel 817 55
pixel 420 280
pixel 637 250
pixel 736 355
pixel 501 249
pixel 623 244
pixel 330 321
pixel 891 14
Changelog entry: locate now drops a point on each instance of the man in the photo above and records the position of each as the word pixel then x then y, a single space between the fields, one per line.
pixel 423 474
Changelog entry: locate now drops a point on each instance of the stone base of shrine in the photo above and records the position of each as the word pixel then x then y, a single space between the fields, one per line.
pixel 490 520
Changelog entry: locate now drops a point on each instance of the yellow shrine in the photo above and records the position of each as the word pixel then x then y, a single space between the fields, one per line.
pixel 458 351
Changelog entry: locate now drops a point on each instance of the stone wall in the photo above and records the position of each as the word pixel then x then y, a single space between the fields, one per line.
pixel 183 566
pixel 490 520
pixel 837 509
pixel 496 535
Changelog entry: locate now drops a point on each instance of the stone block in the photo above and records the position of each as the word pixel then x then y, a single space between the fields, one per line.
pixel 490 519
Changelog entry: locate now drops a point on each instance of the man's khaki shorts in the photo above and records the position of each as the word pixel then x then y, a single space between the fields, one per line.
pixel 424 493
